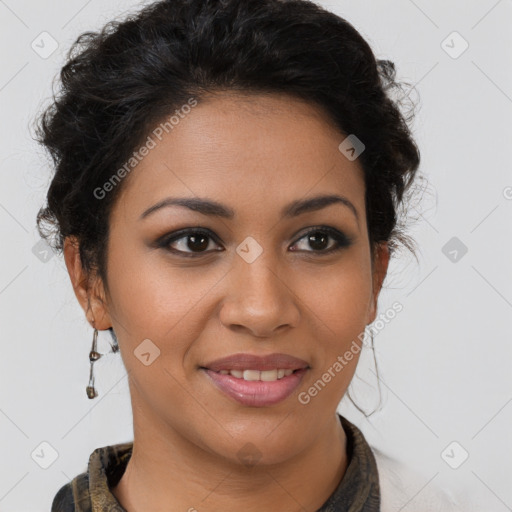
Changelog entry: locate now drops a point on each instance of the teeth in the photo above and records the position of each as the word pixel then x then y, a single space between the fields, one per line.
pixel 266 375
pixel 252 375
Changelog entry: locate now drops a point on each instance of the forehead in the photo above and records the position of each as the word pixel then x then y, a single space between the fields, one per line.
pixel 252 152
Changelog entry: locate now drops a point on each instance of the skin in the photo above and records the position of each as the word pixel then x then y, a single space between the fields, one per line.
pixel 255 154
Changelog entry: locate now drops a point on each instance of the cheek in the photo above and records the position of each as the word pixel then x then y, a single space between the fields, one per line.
pixel 339 296
pixel 338 306
pixel 339 311
pixel 154 299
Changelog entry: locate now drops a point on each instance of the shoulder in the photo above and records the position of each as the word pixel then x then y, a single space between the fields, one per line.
pixel 63 500
pixel 71 494
pixel 401 485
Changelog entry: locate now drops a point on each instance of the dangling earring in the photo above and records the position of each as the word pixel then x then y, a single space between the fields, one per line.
pixel 93 356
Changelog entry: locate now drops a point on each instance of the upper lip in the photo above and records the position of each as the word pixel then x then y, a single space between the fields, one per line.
pixel 256 362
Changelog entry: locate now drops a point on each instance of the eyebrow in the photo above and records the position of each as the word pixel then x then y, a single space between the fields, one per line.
pixel 215 209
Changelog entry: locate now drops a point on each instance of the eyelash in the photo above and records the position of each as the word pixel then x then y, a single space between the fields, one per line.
pixel 342 240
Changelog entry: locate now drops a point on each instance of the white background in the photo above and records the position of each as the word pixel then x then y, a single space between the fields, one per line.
pixel 444 361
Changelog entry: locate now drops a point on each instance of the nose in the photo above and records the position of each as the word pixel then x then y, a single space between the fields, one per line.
pixel 259 299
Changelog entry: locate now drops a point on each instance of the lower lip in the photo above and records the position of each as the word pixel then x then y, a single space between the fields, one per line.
pixel 257 393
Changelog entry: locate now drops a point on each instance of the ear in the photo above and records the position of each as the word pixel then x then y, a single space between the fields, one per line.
pixel 89 290
pixel 380 268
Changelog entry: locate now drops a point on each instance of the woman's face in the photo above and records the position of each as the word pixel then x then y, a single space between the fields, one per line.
pixel 252 282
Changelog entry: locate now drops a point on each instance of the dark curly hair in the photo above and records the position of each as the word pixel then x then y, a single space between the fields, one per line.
pixel 118 83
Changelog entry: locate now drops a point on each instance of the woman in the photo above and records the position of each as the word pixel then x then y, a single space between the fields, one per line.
pixel 228 177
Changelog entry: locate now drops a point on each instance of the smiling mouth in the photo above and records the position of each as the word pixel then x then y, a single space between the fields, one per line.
pixel 262 375
pixel 249 387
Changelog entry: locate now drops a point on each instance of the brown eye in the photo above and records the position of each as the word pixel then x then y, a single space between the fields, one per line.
pixel 318 240
pixel 189 242
pixel 198 242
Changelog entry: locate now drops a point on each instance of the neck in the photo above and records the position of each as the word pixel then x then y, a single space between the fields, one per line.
pixel 168 472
